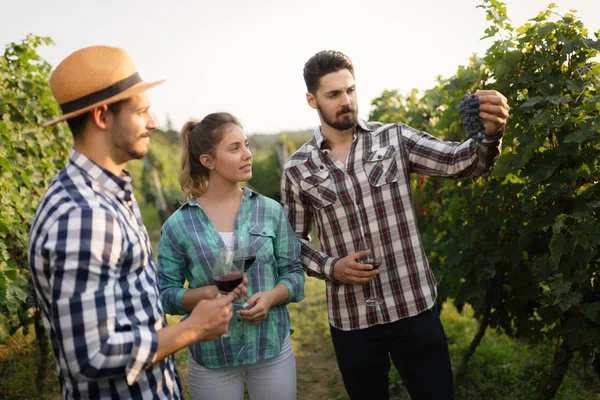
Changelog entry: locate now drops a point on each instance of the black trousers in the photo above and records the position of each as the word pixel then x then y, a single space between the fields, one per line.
pixel 418 348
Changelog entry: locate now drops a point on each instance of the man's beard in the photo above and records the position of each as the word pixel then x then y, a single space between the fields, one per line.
pixel 126 142
pixel 348 122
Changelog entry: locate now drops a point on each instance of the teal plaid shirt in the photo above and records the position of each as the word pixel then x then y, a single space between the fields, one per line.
pixel 189 245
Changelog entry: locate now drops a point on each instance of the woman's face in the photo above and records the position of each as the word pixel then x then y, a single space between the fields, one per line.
pixel 233 161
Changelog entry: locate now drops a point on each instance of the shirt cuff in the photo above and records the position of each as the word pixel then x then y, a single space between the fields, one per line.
pixel 328 267
pixel 295 289
pixel 179 301
pixel 495 137
pixel 142 355
pixel 174 301
pixel 290 288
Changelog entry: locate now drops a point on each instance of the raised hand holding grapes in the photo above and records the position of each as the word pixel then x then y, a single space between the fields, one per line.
pixel 483 113
pixel 494 110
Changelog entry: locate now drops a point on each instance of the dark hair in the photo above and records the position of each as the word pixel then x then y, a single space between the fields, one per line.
pixel 323 63
pixel 77 124
pixel 199 138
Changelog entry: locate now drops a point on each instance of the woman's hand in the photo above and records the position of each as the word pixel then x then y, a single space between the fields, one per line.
pixel 262 302
pixel 242 289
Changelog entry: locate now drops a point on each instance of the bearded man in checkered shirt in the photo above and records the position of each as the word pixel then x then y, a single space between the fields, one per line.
pixel 353 180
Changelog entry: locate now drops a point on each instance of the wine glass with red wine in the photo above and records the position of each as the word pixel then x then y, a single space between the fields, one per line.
pixel 242 259
pixel 374 259
pixel 227 274
pixel 248 261
pixel 241 253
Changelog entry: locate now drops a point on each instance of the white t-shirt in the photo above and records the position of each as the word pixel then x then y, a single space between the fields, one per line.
pixel 227 239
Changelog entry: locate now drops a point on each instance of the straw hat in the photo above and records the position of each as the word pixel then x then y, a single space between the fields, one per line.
pixel 93 76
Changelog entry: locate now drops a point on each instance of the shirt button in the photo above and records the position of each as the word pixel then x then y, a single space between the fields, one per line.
pixel 380 157
pixel 321 167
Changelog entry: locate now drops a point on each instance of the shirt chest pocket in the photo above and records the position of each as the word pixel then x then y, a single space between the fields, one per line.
pixel 261 242
pixel 319 188
pixel 380 166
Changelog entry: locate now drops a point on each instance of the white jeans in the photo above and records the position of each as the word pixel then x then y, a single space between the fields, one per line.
pixel 272 379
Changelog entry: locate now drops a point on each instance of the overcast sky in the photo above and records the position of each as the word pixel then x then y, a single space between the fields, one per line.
pixel 246 56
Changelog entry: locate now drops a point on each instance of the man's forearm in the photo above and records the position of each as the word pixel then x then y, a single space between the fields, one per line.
pixel 173 338
pixel 191 297
pixel 317 264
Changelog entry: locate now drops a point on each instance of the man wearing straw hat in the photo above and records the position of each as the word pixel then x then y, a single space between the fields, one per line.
pixel 89 252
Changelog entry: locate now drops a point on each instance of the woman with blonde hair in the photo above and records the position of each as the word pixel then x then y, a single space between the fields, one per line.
pixel 215 159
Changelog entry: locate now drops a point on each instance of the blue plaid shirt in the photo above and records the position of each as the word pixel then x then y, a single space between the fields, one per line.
pixel 189 245
pixel 95 279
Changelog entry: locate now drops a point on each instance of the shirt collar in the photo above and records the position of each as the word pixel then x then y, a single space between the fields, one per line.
pixel 247 193
pixel 320 139
pixel 120 185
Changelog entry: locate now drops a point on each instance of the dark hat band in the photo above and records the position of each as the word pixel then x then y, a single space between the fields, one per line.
pixel 100 95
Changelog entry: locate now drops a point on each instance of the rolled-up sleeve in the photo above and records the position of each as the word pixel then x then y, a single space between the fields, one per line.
pixel 317 263
pixel 430 156
pixel 84 247
pixel 287 253
pixel 171 270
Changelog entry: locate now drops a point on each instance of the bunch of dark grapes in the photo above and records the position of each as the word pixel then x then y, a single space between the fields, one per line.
pixel 31 301
pixel 469 111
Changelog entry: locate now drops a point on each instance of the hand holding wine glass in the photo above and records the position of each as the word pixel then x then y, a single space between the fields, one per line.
pixel 210 318
pixel 372 259
pixel 352 270
pixel 228 275
pixel 259 305
pixel 243 261
pixel 241 291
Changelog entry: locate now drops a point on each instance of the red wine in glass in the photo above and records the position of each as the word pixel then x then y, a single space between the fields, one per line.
pixel 229 281
pixel 375 262
pixel 248 261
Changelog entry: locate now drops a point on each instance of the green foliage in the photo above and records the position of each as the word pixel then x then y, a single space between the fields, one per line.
pixel 266 174
pixel 522 240
pixel 267 162
pixel 164 154
pixel 540 202
pixel 263 143
pixel 29 157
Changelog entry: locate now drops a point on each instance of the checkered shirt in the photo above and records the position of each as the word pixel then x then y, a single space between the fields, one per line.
pixel 95 279
pixel 370 197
